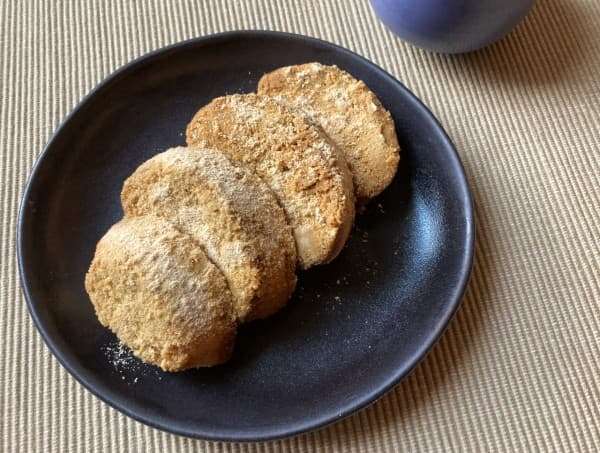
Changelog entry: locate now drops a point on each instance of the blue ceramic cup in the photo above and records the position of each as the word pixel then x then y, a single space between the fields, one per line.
pixel 451 26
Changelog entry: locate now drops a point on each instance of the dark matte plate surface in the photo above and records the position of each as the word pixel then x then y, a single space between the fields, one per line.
pixel 353 329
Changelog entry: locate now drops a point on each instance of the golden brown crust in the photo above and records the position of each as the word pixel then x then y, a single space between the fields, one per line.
pixel 230 212
pixel 157 290
pixel 349 113
pixel 308 175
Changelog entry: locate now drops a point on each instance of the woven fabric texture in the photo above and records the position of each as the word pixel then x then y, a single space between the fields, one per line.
pixel 518 368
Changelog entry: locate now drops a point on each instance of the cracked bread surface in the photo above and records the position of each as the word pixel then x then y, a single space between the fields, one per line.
pixel 306 172
pixel 156 289
pixel 230 212
pixel 349 112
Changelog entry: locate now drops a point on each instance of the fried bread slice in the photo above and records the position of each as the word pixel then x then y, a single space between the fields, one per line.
pixel 306 172
pixel 156 289
pixel 230 212
pixel 349 112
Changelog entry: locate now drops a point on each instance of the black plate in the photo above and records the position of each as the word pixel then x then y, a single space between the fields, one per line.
pixel 353 329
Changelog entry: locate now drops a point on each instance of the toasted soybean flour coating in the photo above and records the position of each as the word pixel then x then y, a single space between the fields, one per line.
pixel 294 158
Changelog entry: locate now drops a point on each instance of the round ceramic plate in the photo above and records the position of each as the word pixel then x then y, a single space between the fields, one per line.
pixel 354 327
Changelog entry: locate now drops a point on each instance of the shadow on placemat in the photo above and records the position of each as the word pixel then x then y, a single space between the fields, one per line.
pixel 548 48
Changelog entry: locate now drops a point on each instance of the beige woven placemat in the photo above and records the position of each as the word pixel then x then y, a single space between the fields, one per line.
pixel 518 369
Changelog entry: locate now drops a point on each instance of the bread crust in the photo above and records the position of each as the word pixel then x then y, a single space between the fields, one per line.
pixel 230 212
pixel 349 112
pixel 156 289
pixel 308 175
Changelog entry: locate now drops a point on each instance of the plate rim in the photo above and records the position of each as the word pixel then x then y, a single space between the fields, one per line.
pixel 356 404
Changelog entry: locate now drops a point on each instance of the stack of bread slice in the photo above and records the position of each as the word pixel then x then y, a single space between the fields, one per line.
pixel 213 232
